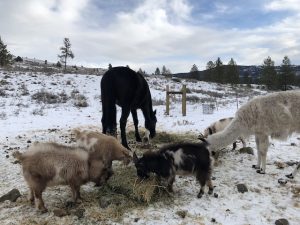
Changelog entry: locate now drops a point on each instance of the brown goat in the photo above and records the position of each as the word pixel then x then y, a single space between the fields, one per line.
pixel 50 164
pixel 102 146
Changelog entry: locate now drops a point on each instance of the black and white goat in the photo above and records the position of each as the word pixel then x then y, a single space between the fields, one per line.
pixel 180 158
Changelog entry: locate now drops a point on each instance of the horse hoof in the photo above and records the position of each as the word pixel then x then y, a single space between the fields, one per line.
pixel 290 176
pixel 199 195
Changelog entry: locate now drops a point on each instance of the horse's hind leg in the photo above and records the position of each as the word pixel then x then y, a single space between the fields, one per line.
pixel 109 114
pixel 123 121
pixel 136 123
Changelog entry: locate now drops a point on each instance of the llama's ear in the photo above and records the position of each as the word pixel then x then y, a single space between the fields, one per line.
pixel 135 158
pixel 154 112
pixel 210 131
pixel 76 132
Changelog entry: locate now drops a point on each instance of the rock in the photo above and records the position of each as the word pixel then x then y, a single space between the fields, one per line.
pixel 181 213
pixel 13 195
pixel 282 221
pixel 293 144
pixel 291 163
pixel 136 220
pixel 104 203
pixel 79 213
pixel 29 141
pixel 242 188
pixel 216 195
pixel 213 220
pixel 60 212
pixel 280 165
pixel 246 150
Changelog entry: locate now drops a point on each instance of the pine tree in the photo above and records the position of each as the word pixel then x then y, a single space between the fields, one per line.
pixel 164 70
pixel 209 73
pixel 194 68
pixel 219 71
pixel 286 75
pixel 232 73
pixel 66 52
pixel 5 56
pixel 157 71
pixel 269 75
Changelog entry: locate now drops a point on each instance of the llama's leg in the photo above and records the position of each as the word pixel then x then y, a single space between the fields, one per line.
pixel 257 166
pixel 123 121
pixel 293 174
pixel 263 144
pixel 75 192
pixel 136 123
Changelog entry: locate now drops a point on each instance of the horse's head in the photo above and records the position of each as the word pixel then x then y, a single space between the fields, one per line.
pixel 150 124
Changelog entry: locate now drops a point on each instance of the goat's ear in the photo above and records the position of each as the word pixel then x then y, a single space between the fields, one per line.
pixel 135 158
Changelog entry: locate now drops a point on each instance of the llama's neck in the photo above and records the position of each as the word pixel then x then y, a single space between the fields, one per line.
pixel 227 136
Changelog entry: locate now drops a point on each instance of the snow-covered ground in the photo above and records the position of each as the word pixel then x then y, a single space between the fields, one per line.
pixel 24 120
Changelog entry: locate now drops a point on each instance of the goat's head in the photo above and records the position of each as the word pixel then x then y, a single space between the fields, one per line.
pixel 141 167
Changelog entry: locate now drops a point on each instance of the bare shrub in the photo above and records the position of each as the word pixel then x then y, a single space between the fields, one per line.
pixel 3 116
pixel 38 111
pixel 3 93
pixel 156 102
pixel 80 100
pixel 193 98
pixel 68 82
pixel 50 98
pixel 24 90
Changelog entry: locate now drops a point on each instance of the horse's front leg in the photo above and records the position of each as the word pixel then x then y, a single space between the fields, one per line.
pixel 136 123
pixel 123 121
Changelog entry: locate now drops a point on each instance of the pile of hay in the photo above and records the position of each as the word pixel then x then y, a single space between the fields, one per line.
pixel 125 182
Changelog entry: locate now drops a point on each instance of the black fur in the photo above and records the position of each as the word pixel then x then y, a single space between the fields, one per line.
pixel 129 90
pixel 195 159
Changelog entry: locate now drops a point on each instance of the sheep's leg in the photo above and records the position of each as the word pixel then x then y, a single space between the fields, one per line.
pixel 262 142
pixel 293 174
pixel 136 123
pixel 75 192
pixel 244 142
pixel 210 186
pixel 123 121
pixel 39 203
pixel 31 196
pixel 234 146
pixel 202 178
pixel 170 181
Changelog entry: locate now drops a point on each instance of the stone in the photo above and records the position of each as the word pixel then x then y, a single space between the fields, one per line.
pixel 242 188
pixel 246 150
pixel 136 220
pixel 282 221
pixel 79 213
pixel 12 196
pixel 181 213
pixel 60 212
pixel 104 203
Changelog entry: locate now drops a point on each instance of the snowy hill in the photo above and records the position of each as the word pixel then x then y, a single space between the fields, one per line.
pixel 36 106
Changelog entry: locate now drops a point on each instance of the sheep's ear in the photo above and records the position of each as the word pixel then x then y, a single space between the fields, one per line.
pixel 135 158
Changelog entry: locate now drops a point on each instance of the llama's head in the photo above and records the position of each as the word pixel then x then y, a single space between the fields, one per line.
pixel 151 124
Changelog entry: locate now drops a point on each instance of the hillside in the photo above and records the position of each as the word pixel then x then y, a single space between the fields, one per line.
pixel 39 106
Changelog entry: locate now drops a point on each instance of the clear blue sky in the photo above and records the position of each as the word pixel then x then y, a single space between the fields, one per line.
pixel 152 33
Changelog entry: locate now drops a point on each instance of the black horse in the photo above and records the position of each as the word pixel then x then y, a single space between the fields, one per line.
pixel 129 90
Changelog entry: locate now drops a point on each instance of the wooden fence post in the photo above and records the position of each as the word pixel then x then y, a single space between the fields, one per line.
pixel 167 101
pixel 184 100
